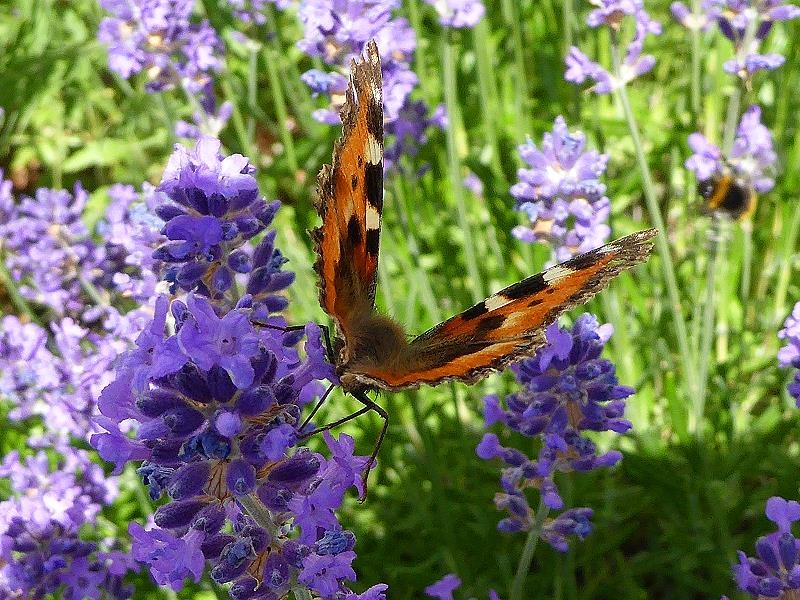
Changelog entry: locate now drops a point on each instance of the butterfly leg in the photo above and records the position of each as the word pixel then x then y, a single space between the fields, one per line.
pixel 319 404
pixel 370 404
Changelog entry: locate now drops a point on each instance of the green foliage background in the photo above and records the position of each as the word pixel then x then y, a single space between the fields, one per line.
pixel 705 453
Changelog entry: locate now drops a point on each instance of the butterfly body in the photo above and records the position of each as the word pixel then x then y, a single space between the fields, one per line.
pixel 372 351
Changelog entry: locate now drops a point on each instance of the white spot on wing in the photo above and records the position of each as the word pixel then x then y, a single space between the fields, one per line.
pixel 495 302
pixel 556 274
pixel 373 151
pixel 373 218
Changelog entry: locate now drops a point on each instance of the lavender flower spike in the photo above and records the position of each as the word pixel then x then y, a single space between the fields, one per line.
pixel 567 389
pixel 561 193
pixel 215 388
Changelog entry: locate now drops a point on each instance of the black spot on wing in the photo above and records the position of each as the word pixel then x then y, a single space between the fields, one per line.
pixel 587 259
pixel 474 312
pixel 354 235
pixel 527 287
pixel 373 179
pixel 535 302
pixel 488 324
pixel 375 118
pixel 354 182
pixel 373 241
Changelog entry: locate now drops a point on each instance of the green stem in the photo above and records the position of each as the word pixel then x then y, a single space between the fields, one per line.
pixel 7 283
pixel 785 272
pixel 454 168
pixel 253 506
pixel 695 90
pixel 662 247
pixel 718 240
pixel 488 95
pixel 510 8
pixel 276 87
pixel 524 564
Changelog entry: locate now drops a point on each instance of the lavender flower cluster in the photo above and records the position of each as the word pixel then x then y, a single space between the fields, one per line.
pixel 157 37
pixel 215 386
pixel 612 14
pixel 751 158
pixel 745 24
pixel 561 193
pixel 567 389
pixel 51 376
pixel 336 31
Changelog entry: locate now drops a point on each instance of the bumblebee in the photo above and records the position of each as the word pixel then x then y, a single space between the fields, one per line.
pixel 724 192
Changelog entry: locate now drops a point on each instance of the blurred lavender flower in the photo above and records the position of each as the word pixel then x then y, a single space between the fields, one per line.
pixel 746 24
pixel 701 21
pixel 612 13
pixel 474 184
pixel 460 14
pixel 51 377
pixel 776 571
pixel 789 355
pixel 410 131
pixel 252 11
pixel 157 37
pixel 56 263
pixel 751 159
pixel 216 397
pixel 41 551
pixel 567 389
pixel 209 121
pixel 561 193
pixel 444 588
pixel 337 31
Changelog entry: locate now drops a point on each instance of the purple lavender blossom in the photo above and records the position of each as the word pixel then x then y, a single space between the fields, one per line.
pixel 41 551
pixel 444 588
pixel 746 25
pixel 701 21
pixel 252 11
pixel 55 262
pixel 612 14
pixel 474 184
pixel 337 32
pixel 789 355
pixel 776 571
pixel 215 209
pixel 567 389
pixel 561 194
pixel 157 37
pixel 460 14
pixel 207 122
pixel 751 159
pixel 214 388
pixel 410 131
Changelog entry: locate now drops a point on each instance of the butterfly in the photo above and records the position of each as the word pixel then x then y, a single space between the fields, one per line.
pixel 370 350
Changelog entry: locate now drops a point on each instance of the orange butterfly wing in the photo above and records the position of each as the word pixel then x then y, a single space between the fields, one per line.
pixel 350 200
pixel 507 325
